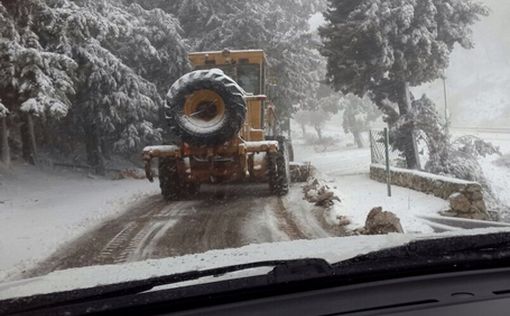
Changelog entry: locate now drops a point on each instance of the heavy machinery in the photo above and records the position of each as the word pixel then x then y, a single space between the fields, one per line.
pixel 224 126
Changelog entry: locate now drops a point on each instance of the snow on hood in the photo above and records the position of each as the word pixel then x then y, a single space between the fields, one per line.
pixel 331 249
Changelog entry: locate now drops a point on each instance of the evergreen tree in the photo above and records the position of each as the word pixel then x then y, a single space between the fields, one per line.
pixel 280 28
pixel 383 47
pixel 92 71
pixel 35 82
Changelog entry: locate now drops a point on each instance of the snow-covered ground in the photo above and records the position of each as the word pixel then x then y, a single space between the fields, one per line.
pixel 42 210
pixel 348 167
pixel 347 170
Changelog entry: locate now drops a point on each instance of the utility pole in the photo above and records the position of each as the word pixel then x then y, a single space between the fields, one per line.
pixel 446 118
pixel 387 158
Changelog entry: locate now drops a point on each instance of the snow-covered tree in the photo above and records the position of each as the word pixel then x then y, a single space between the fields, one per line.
pixel 357 115
pixel 447 156
pixel 278 27
pixel 34 81
pixel 383 47
pixel 115 107
pixel 4 136
pixel 98 67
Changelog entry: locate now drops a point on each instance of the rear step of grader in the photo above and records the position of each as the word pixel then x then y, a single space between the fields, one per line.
pixel 221 128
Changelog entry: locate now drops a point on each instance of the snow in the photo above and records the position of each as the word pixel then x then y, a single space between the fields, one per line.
pixel 31 105
pixel 3 110
pixel 498 175
pixel 427 175
pixel 161 149
pixel 41 211
pixel 361 194
pixel 347 172
pixel 331 249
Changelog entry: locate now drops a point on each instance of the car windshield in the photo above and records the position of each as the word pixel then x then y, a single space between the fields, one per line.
pixel 141 138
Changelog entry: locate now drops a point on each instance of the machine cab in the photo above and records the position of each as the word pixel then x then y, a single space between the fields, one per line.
pixel 246 67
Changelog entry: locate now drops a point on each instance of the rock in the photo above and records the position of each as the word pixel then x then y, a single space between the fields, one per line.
pixel 473 188
pixel 477 196
pixel 480 216
pixel 311 196
pixel 343 221
pixel 480 205
pixel 460 203
pixel 300 172
pixel 325 198
pixel 379 222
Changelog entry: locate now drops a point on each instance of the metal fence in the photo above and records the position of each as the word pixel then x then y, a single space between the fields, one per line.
pixel 381 152
pixel 378 150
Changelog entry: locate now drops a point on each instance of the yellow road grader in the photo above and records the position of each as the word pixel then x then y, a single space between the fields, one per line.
pixel 225 127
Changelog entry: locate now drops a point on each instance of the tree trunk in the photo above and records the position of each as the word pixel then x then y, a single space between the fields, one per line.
pixel 358 138
pixel 94 153
pixel 410 146
pixel 31 133
pixel 28 139
pixel 303 129
pixel 318 129
pixel 4 132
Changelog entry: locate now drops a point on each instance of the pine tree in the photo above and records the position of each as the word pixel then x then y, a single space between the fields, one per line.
pixel 4 136
pixel 35 82
pixel 87 70
pixel 383 47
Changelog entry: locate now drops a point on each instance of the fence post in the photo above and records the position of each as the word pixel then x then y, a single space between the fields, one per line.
pixel 372 160
pixel 387 158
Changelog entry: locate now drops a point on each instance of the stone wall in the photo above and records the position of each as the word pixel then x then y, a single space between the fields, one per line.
pixel 465 197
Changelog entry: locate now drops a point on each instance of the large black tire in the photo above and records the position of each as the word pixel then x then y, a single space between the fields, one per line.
pixel 279 172
pixel 172 187
pixel 283 141
pixel 225 127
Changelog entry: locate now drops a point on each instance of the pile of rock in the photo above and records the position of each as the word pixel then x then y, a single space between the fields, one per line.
pixel 380 222
pixel 301 171
pixel 319 193
pixel 468 203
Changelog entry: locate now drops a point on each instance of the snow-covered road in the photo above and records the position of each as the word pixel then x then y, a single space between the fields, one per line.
pixel 223 217
pixel 55 220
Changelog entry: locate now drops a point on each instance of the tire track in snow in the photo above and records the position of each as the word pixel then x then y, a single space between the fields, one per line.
pixel 223 217
pixel 113 245
pixel 143 245
pixel 132 245
pixel 287 224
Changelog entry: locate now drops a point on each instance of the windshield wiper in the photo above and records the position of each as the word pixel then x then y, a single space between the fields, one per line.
pixel 416 258
pixel 457 253
pixel 283 271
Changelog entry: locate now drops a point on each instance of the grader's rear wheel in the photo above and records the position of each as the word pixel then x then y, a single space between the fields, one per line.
pixel 169 179
pixel 171 185
pixel 278 172
pixel 287 143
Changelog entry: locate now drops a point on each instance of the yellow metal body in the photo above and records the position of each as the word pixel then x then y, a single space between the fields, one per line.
pixel 231 62
pixel 241 158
